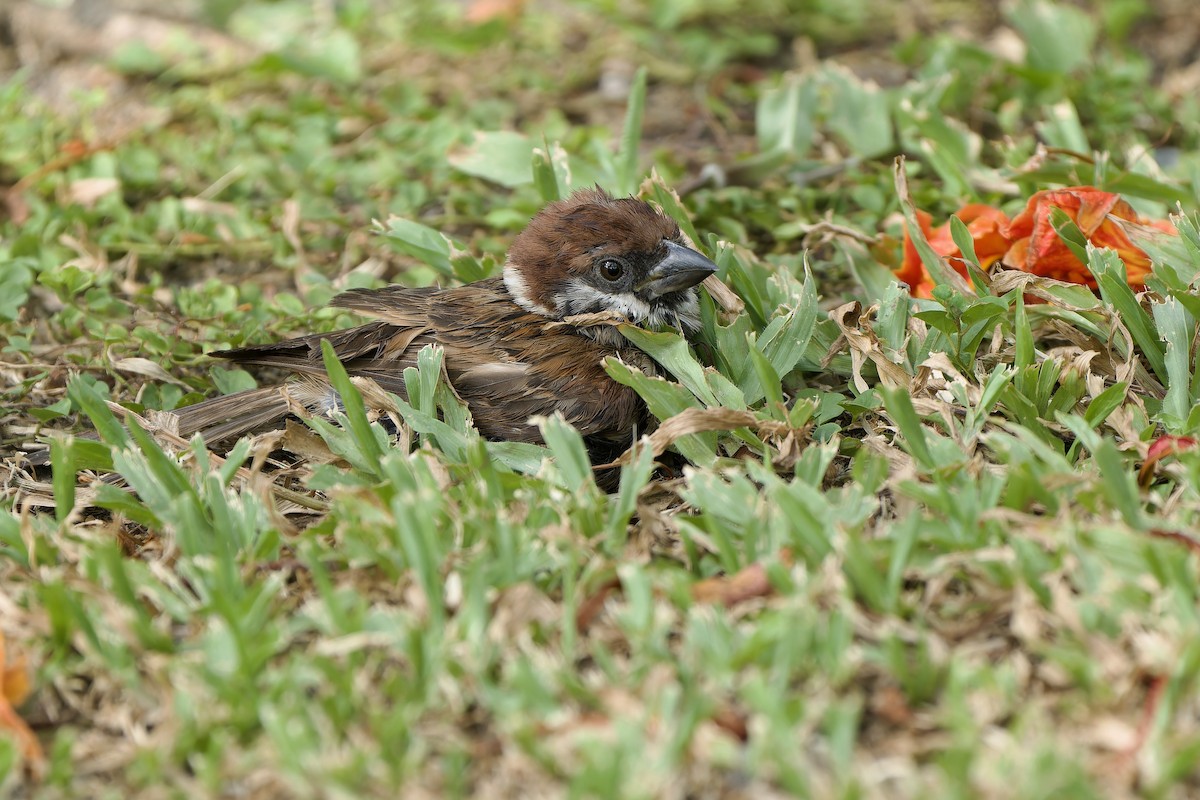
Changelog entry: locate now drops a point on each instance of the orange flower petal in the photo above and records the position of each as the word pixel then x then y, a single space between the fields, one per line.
pixel 1029 242
pixel 1037 248
pixel 986 225
pixel 14 687
pixel 1017 256
pixel 912 271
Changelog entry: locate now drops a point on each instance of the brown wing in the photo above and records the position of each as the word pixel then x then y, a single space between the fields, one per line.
pixel 506 363
pixel 510 365
pixel 403 315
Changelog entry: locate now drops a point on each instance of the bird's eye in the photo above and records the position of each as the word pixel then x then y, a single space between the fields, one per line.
pixel 611 269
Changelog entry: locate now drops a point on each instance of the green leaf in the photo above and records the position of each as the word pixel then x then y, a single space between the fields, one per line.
pixel 15 279
pixel 1062 128
pixel 453 443
pixel 1069 232
pixel 672 352
pixel 1059 38
pixel 518 456
pixel 501 157
pixel 53 411
pixel 545 174
pixel 1118 485
pixel 1135 184
pixel 862 115
pixel 1023 334
pixel 570 454
pixel 665 399
pixel 88 398
pixel 900 408
pixel 963 240
pixel 891 320
pixel 628 174
pixel 1175 330
pixel 785 116
pixel 90 454
pixel 950 147
pixel 352 405
pixel 1111 278
pixel 231 381
pixel 634 477
pixel 1105 403
pixel 786 338
pixel 423 243
pixel 335 55
pixel 661 194
pixel 62 462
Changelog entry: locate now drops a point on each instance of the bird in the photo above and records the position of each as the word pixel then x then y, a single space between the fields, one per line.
pixel 526 344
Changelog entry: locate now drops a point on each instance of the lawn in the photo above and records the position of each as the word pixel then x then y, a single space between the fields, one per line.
pixel 887 546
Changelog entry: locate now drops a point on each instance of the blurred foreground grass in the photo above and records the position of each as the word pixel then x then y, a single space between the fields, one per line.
pixel 915 550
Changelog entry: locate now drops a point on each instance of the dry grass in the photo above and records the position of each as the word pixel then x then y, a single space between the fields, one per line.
pixel 874 549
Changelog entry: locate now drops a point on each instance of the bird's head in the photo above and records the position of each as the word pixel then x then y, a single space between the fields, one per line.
pixel 594 253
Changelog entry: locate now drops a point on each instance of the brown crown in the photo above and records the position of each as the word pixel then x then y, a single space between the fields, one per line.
pixel 568 236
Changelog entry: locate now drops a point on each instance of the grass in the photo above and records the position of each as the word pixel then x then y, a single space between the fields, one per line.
pixel 906 549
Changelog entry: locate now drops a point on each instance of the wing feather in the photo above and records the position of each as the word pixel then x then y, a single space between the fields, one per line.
pixel 506 363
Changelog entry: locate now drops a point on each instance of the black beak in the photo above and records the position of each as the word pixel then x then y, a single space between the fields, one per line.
pixel 681 268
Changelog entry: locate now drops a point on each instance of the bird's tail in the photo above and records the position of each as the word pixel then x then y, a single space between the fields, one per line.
pixel 224 419
pixel 220 420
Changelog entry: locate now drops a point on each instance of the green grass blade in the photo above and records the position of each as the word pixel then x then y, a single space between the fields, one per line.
pixel 1175 329
pixel 570 453
pixel 545 176
pixel 94 404
pixel 62 462
pixel 631 136
pixel 1111 277
pixel 899 406
pixel 352 405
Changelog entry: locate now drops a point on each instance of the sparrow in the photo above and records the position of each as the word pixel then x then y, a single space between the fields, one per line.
pixel 519 346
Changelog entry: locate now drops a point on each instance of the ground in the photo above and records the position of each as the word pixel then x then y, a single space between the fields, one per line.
pixel 881 548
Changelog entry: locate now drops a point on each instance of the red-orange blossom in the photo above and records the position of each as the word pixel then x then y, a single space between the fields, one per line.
pixel 1028 241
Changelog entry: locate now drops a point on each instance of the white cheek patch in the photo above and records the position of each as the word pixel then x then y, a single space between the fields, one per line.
pixel 582 298
pixel 514 281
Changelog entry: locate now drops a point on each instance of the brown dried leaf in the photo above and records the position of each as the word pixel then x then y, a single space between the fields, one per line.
pixel 16 205
pixel 733 721
pixel 1187 540
pixel 209 208
pixel 701 420
pixel 698 420
pixel 746 584
pixel 88 191
pixel 586 320
pixel 517 610
pixel 889 703
pixel 1004 281
pixel 148 369
pixel 290 226
pixel 591 607
pixel 864 346
pixel 729 590
pixel 301 440
pixel 724 296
